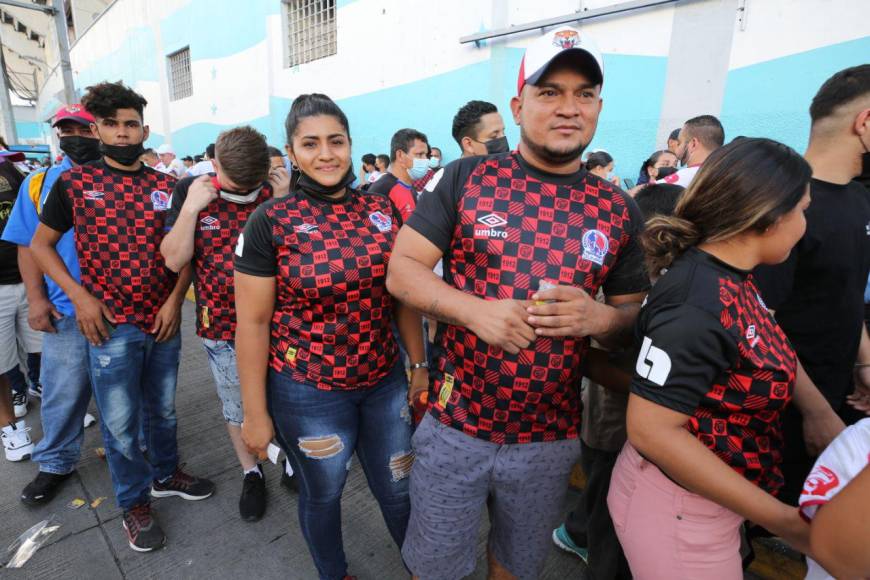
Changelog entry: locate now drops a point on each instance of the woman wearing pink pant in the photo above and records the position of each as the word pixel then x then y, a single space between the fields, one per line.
pixel 714 373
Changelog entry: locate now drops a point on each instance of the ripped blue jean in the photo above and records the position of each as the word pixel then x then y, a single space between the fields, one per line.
pixel 134 379
pixel 319 431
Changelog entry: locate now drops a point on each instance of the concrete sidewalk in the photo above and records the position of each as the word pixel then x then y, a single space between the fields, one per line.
pixel 205 539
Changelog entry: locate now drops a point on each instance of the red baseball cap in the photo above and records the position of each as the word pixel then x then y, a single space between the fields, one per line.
pixel 74 112
pixel 541 53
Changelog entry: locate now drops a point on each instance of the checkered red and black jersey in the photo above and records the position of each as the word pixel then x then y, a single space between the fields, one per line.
pixel 217 230
pixel 505 228
pixel 118 222
pixel 711 350
pixel 332 325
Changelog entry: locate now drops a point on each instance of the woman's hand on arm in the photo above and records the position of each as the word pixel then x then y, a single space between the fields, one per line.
pixel 660 435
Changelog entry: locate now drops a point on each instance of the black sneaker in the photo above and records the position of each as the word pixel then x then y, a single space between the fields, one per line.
pixel 183 485
pixel 43 488
pixel 252 504
pixel 289 481
pixel 35 390
pixel 144 534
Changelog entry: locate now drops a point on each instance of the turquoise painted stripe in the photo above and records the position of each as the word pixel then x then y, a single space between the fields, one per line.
pixel 29 129
pixel 135 60
pixel 627 125
pixel 215 29
pixel 772 99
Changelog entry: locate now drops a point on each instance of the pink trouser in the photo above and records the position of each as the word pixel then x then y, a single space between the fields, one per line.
pixel 668 532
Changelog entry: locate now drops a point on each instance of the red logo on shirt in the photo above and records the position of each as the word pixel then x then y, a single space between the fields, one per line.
pixel 821 482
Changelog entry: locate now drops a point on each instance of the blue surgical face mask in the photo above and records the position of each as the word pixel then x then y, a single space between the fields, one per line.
pixel 434 163
pixel 419 169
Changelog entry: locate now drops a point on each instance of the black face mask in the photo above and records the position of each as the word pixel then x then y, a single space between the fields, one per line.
pixel 500 145
pixel 665 171
pixel 319 190
pixel 123 154
pixel 80 149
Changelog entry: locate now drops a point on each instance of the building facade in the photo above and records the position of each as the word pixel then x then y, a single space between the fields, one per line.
pixel 206 65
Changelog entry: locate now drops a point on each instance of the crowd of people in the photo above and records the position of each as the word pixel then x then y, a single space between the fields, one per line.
pixel 439 321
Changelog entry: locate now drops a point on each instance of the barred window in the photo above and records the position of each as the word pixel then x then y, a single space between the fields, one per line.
pixel 180 82
pixel 311 30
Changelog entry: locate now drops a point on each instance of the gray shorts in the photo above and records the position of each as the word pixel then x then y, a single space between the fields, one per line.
pixel 452 477
pixel 222 360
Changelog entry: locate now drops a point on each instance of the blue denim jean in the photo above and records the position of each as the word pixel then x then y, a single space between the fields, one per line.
pixel 134 380
pixel 66 392
pixel 319 431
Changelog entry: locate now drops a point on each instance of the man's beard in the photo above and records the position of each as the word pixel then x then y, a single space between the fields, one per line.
pixel 552 156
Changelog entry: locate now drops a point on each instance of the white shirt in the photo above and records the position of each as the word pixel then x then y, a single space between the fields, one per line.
pixel 683 177
pixel 201 168
pixel 430 185
pixel 840 463
pixel 176 167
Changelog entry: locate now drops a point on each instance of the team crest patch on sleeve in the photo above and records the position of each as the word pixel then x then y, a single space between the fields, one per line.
pixel 382 222
pixel 595 246
pixel 752 336
pixel 160 200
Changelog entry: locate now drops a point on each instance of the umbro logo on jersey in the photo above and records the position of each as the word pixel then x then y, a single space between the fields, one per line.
pixel 209 223
pixel 94 195
pixel 305 228
pixel 492 221
pixel 653 363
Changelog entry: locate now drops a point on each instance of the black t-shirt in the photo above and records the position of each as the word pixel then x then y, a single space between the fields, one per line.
pixel 218 227
pixel 505 227
pixel 118 220
pixel 332 326
pixel 712 351
pixel 818 293
pixel 10 181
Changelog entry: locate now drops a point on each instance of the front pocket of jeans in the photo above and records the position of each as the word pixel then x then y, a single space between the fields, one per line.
pixel 623 493
pixel 703 531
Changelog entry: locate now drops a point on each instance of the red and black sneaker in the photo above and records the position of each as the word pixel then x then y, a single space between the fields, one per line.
pixel 144 534
pixel 183 485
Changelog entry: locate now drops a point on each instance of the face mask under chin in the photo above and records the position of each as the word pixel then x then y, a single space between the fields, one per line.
pixel 123 154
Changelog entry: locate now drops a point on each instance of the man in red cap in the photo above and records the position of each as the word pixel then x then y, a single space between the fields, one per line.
pixel 65 389
pixel 528 239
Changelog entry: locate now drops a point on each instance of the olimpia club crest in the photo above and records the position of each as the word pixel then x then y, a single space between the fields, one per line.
pixel 595 246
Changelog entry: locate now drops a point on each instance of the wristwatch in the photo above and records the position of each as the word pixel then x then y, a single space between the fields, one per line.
pixel 420 365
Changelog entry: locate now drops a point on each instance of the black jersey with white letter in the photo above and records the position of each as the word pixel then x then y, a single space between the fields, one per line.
pixel 711 350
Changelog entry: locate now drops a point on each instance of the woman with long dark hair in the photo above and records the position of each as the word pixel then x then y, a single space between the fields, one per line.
pixel 652 168
pixel 714 372
pixel 317 357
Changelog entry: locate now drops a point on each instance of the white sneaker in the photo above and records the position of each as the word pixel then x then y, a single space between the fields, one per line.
pixel 89 420
pixel 19 402
pixel 16 442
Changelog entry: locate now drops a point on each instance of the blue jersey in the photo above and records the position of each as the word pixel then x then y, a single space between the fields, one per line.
pixel 25 218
